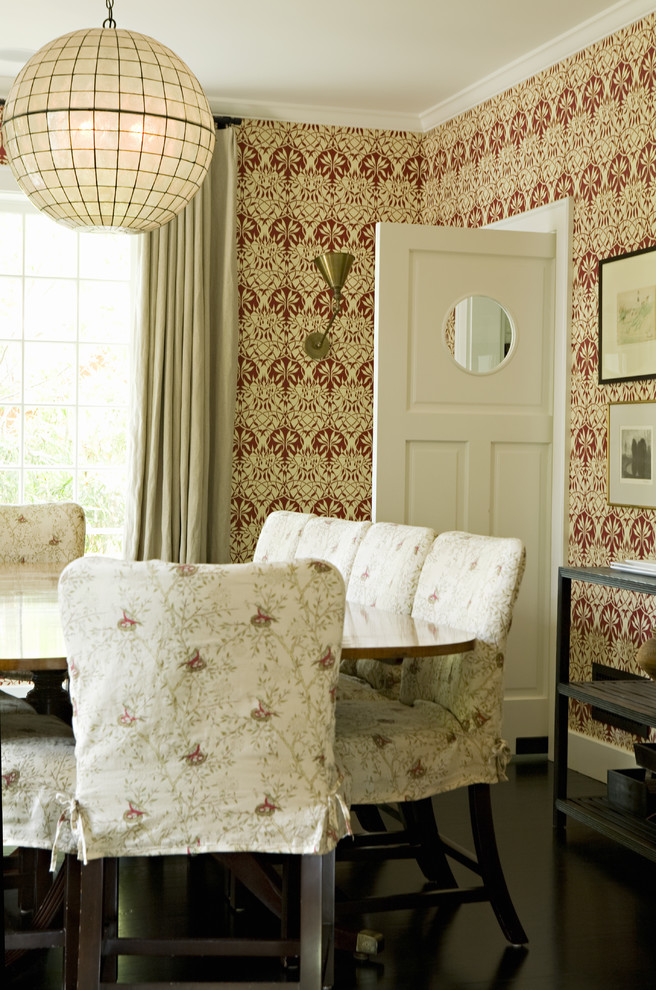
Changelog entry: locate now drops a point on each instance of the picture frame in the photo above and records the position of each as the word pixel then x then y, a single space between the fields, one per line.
pixel 632 454
pixel 627 316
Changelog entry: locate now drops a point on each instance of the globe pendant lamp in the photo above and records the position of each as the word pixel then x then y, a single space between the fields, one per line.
pixel 108 129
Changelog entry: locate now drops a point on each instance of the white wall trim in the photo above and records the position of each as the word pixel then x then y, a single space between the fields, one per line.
pixel 594 758
pixel 556 218
pixel 577 39
pixel 583 36
pixel 591 31
pixel 298 113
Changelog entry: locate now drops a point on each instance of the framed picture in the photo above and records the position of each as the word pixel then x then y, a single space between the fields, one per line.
pixel 631 450
pixel 627 316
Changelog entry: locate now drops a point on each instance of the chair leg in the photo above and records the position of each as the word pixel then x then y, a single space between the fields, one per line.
pixel 311 923
pixel 420 821
pixel 328 916
pixel 71 920
pixel 480 807
pixel 90 930
pixel 369 817
pixel 109 963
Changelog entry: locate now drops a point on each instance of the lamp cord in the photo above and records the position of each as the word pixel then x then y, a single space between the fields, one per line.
pixel 109 22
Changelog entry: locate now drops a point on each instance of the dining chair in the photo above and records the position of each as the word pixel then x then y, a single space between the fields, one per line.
pixel 41 533
pixel 444 731
pixel 38 766
pixel 203 700
pixel 279 536
pixel 385 574
pixel 333 540
pixel 37 533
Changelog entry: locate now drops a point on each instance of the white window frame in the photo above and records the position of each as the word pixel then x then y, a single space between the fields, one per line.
pixel 10 191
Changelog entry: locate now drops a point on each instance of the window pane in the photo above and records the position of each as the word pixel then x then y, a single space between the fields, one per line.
pixel 103 374
pixel 11 243
pixel 11 291
pixel 10 372
pixel 48 486
pixel 9 435
pixel 9 486
pixel 49 435
pixel 105 311
pixel 103 436
pixel 50 308
pixel 50 249
pixel 105 256
pixel 109 544
pixel 65 330
pixel 49 372
pixel 102 493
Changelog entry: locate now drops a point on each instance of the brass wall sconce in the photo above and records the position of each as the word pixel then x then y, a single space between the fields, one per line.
pixel 334 266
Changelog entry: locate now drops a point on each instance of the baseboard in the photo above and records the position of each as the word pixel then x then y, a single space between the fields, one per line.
pixel 594 758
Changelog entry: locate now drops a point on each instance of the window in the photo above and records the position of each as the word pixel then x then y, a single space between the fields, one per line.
pixel 65 317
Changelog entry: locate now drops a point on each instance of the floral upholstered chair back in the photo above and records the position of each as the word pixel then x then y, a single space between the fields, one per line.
pixel 334 540
pixel 469 582
pixel 41 533
pixel 278 539
pixel 385 573
pixel 203 701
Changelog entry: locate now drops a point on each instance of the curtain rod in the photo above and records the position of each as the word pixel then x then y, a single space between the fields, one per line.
pixel 221 122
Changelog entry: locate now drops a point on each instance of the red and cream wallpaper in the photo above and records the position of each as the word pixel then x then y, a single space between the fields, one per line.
pixel 585 128
pixel 303 437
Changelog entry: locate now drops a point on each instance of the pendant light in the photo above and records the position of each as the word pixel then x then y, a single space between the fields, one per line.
pixel 109 129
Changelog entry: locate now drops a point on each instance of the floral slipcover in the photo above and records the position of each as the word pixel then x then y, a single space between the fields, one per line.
pixel 445 729
pixel 203 706
pixel 333 540
pixel 38 533
pixel 385 574
pixel 43 533
pixel 38 766
pixel 278 539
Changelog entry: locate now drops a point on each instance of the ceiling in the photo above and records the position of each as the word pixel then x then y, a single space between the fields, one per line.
pixel 371 63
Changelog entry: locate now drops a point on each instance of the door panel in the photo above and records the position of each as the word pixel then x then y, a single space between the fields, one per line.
pixel 458 450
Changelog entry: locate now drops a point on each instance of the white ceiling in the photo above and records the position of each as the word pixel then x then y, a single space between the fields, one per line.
pixel 406 64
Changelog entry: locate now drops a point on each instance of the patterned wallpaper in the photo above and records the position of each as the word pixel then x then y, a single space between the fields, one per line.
pixel 303 437
pixel 585 128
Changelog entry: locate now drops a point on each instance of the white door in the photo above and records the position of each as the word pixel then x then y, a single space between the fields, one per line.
pixel 472 448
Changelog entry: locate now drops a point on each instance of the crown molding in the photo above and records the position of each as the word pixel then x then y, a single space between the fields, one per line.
pixel 299 113
pixel 595 29
pixel 583 36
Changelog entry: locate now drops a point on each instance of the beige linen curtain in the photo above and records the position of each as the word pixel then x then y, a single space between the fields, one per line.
pixel 184 377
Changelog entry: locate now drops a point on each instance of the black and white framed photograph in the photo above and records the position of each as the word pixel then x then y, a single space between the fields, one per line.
pixel 627 316
pixel 631 448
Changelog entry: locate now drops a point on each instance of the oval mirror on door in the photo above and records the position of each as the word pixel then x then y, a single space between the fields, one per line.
pixel 479 334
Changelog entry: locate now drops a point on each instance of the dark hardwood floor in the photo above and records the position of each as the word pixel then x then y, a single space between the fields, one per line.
pixel 587 905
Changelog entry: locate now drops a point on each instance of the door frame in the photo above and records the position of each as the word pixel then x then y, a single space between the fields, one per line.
pixel 556 218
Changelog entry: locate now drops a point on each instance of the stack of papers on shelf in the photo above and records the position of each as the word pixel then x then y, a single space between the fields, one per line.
pixel 635 566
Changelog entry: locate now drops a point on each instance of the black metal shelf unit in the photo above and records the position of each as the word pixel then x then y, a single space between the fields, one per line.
pixel 630 699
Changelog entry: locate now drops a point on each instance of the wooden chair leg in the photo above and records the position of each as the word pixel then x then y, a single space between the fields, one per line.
pixel 420 821
pixel 311 923
pixel 71 920
pixel 369 817
pixel 90 930
pixel 480 807
pixel 109 963
pixel 328 916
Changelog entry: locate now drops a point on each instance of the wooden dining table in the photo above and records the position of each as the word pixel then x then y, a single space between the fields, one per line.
pixel 32 641
pixel 32 644
pixel 31 638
